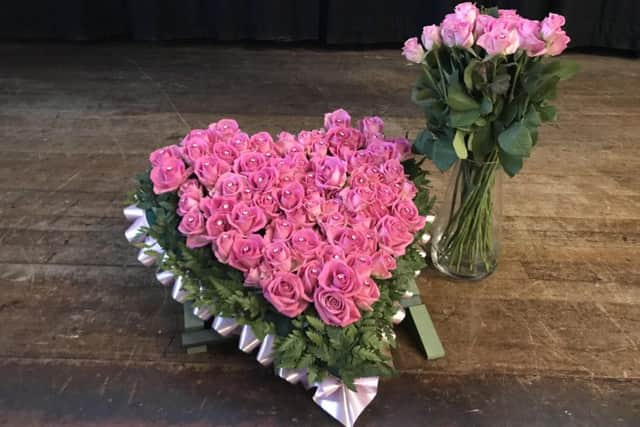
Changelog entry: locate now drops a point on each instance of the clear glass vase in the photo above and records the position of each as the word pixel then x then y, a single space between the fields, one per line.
pixel 467 228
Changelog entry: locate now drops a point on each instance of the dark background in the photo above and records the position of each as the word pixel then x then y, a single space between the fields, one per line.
pixel 613 24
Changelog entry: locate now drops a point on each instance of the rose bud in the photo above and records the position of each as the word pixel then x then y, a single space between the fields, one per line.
pixel 246 252
pixel 278 255
pixel 337 275
pixel 247 219
pixel 286 293
pixel 168 175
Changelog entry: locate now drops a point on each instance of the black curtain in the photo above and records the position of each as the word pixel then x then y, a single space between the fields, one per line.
pixel 590 23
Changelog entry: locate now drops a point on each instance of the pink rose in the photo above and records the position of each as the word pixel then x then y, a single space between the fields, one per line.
pixel 407 212
pixel 343 141
pixel 248 162
pixel 226 128
pixel 261 142
pixel 224 244
pixel 192 225
pixel 508 13
pixel 529 33
pixel 371 239
pixel 246 252
pixel 247 219
pixel 157 156
pixel 291 196
pixel 335 308
pixel 483 24
pixel 187 203
pixel 211 206
pixel 352 241
pixel 226 152
pixel 239 141
pixel 403 148
pixel 383 264
pixel 412 51
pixel 194 147
pixel 216 225
pixel 367 295
pixel 304 243
pixel 385 194
pixel 168 175
pixel 284 142
pixel 192 188
pixel 209 168
pixel 550 25
pixel 393 171
pixel 309 273
pixel 372 126
pixel 467 11
pixel 338 117
pixel 263 179
pixel 500 40
pixel 383 150
pixel 394 236
pixel 230 185
pixel 356 199
pixel 268 203
pixel 557 43
pixel 279 229
pixel 361 264
pixel 313 205
pixel 278 255
pixel 431 37
pixel 456 32
pixel 331 173
pixel 337 275
pixel 330 252
pixel 286 293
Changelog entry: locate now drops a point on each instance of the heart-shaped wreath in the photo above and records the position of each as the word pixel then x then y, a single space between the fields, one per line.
pixel 308 241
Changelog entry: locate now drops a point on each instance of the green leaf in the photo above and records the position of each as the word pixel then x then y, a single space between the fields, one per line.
pixel 486 106
pixel 510 164
pixel 547 113
pixel 491 11
pixel 459 145
pixel 468 74
pixel 315 323
pixel 483 143
pixel 532 118
pixel 463 119
pixel 424 143
pixel 458 100
pixel 516 140
pixel 562 69
pixel 500 84
pixel 443 154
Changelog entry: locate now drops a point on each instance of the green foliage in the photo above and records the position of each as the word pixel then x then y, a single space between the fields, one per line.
pixel 476 108
pixel 359 350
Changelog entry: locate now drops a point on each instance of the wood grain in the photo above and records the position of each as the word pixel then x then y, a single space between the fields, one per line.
pixel 88 338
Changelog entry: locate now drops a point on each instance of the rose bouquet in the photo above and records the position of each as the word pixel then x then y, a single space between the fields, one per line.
pixel 304 244
pixel 485 83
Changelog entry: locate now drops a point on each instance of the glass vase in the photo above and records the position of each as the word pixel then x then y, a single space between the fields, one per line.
pixel 467 228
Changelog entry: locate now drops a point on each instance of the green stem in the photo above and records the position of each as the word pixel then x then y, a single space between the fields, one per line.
pixel 442 83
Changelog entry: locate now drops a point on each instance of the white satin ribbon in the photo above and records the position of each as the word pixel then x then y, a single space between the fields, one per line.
pixel 133 212
pixel 134 233
pixel 265 354
pixel 225 326
pixel 399 316
pixel 343 404
pixel 178 292
pixel 203 313
pixel 248 340
pixel 150 253
pixel 166 278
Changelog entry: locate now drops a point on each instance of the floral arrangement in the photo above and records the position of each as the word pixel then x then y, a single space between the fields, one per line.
pixel 305 241
pixel 485 83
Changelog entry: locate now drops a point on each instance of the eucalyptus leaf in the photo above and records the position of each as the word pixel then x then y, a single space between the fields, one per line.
pixel 458 100
pixel 443 155
pixel 483 142
pixel 424 143
pixel 516 140
pixel 511 164
pixel 547 113
pixel 486 106
pixel 500 84
pixel 463 119
pixel 468 74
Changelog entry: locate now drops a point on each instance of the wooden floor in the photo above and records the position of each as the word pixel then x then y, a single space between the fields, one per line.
pixel 87 338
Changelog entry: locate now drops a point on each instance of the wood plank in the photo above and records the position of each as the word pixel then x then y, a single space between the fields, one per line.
pixel 119 394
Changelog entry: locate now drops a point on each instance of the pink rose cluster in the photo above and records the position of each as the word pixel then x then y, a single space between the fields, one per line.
pixel 310 218
pixel 503 35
